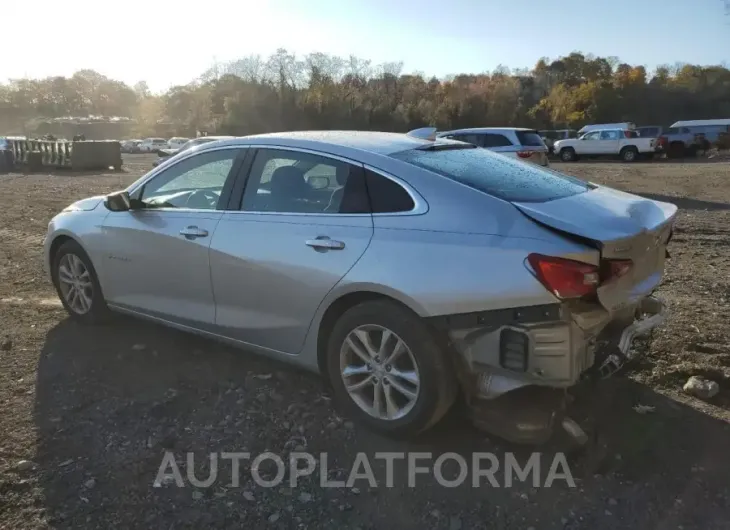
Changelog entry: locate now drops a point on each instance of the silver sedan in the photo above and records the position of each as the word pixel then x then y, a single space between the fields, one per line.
pixel 408 270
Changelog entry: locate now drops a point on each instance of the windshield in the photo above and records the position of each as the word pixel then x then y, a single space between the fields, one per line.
pixel 496 174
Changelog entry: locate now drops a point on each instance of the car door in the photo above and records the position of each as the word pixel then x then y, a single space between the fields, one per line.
pixel 588 144
pixel 608 144
pixel 291 241
pixel 157 254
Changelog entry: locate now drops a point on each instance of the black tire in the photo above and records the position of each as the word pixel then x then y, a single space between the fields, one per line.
pixel 567 154
pixel 99 311
pixel 438 386
pixel 629 154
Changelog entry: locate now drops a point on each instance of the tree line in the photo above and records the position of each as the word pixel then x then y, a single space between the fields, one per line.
pixel 320 91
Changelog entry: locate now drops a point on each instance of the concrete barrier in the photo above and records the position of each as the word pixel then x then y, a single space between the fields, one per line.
pixel 96 155
pixel 86 155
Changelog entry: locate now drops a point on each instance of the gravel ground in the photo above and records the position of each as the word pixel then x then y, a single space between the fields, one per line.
pixel 88 413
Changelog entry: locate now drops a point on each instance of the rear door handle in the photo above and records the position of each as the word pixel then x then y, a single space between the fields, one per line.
pixel 193 232
pixel 325 243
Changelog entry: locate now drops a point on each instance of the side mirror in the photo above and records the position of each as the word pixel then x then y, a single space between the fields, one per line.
pixel 118 201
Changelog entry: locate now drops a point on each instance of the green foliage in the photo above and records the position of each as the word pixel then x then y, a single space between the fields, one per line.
pixel 255 95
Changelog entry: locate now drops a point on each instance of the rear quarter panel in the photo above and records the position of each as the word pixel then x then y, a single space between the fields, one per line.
pixel 466 253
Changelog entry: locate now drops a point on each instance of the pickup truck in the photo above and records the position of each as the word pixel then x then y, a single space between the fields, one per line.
pixel 622 143
pixel 677 142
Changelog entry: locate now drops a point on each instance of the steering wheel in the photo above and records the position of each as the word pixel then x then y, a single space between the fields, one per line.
pixel 202 199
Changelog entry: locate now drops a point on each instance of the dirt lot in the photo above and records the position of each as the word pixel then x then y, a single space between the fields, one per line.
pixel 94 410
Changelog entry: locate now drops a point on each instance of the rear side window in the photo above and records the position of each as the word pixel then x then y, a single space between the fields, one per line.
pixel 474 139
pixel 496 140
pixel 495 174
pixel 387 196
pixel 530 139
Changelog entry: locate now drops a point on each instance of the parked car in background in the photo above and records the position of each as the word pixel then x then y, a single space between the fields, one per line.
pixel 523 144
pixel 649 131
pixel 164 154
pixel 130 146
pixel 602 126
pixel 710 129
pixel 552 136
pixel 176 142
pixel 623 143
pixel 151 145
pixel 677 142
pixel 421 271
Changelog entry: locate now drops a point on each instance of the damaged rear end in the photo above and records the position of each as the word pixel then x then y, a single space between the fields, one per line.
pixel 605 301
pixel 605 256
pixel 630 235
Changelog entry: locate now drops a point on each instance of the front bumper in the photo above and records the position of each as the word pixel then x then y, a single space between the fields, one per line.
pixel 523 407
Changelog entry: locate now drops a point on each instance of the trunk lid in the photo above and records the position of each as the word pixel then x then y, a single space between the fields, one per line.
pixel 623 227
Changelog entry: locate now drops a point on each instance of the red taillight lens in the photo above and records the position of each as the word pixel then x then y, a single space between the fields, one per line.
pixel 565 278
pixel 524 154
pixel 662 140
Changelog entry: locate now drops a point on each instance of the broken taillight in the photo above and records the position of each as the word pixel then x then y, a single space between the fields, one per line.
pixel 567 278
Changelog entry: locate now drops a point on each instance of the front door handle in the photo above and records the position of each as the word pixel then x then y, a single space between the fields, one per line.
pixel 193 232
pixel 325 243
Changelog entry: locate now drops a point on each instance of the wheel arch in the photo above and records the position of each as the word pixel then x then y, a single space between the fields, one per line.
pixel 57 240
pixel 338 303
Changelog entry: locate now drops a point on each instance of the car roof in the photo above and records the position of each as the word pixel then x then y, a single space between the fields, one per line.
pixel 382 143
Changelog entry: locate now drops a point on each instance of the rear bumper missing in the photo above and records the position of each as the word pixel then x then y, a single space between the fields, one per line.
pixel 524 406
pixel 652 313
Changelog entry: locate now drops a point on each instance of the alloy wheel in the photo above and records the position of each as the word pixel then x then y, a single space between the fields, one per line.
pixel 379 372
pixel 74 280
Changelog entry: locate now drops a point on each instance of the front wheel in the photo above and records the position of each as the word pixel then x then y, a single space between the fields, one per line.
pixel 77 284
pixel 567 154
pixel 387 370
pixel 629 154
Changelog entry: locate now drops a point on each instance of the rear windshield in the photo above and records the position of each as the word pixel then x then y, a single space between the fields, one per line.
pixel 530 139
pixel 496 174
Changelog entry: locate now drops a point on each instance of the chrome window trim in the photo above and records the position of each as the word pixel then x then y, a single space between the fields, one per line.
pixel 420 206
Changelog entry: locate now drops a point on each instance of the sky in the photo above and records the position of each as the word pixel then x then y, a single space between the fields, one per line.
pixel 170 43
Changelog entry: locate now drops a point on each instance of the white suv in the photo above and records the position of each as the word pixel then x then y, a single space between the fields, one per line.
pixel 150 145
pixel 523 144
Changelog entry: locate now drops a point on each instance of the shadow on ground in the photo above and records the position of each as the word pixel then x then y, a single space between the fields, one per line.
pixel 107 410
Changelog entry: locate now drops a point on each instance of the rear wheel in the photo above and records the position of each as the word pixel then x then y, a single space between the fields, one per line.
pixel 567 154
pixel 629 154
pixel 387 370
pixel 77 284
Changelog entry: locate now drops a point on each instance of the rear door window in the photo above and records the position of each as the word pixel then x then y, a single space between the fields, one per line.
pixel 530 139
pixel 495 174
pixel 474 139
pixel 496 140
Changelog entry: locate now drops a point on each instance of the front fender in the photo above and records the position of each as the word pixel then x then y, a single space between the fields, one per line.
pixel 84 227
